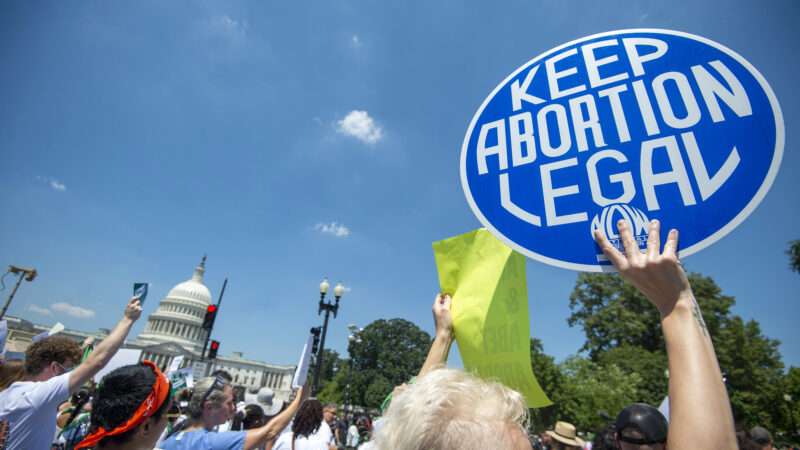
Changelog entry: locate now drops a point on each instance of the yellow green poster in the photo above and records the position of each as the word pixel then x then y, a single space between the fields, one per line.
pixel 486 280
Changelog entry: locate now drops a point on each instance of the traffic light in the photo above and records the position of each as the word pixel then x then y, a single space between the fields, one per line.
pixel 315 345
pixel 211 314
pixel 212 352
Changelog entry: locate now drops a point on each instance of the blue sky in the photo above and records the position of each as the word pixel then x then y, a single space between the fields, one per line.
pixel 292 140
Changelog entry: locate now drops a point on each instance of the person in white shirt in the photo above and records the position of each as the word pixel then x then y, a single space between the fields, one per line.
pixel 352 436
pixel 29 407
pixel 305 427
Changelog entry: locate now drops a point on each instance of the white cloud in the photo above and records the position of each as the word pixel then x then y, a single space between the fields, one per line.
pixel 361 126
pixel 335 229
pixel 39 310
pixel 355 41
pixel 57 185
pixel 235 31
pixel 72 310
pixel 53 183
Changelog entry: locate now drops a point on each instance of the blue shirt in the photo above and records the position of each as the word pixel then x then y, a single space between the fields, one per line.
pixel 205 440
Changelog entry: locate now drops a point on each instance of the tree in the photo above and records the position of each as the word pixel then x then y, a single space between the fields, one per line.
pixel 794 255
pixel 331 364
pixel 549 377
pixel 589 389
pixel 651 366
pixel 389 354
pixel 753 370
pixel 613 313
pixel 790 406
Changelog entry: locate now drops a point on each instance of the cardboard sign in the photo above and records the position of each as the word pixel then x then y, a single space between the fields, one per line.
pixel 632 124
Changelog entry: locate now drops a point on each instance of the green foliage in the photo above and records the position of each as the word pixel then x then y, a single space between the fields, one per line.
pixel 332 391
pixel 589 389
pixel 550 379
pixel 790 405
pixel 613 313
pixel 389 354
pixel 651 366
pixel 331 364
pixel 794 255
pixel 753 369
pixel 377 391
pixel 623 332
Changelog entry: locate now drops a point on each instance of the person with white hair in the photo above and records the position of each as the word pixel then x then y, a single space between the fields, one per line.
pixel 452 409
pixel 448 409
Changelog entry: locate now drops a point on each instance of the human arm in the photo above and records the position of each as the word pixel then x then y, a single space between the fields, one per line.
pixel 700 412
pixel 107 348
pixel 440 348
pixel 258 437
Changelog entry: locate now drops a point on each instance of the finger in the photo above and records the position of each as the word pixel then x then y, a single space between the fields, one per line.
pixel 446 301
pixel 653 240
pixel 626 236
pixel 671 247
pixel 613 255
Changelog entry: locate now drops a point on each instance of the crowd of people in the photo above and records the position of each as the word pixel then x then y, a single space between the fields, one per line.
pixel 50 398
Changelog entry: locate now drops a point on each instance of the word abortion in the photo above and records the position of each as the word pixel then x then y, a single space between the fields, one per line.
pixel 520 138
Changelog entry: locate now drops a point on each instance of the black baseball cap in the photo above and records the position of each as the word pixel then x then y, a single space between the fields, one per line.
pixel 645 419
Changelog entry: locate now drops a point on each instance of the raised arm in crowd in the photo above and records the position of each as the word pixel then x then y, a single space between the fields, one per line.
pixel 700 412
pixel 448 409
pixel 29 407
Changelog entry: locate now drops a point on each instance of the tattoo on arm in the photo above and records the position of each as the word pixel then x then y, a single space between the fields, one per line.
pixel 698 316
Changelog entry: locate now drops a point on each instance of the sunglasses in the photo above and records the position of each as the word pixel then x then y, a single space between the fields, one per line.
pixel 63 368
pixel 219 384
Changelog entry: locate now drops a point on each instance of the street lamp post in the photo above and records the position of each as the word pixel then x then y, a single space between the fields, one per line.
pixel 27 274
pixel 353 338
pixel 328 308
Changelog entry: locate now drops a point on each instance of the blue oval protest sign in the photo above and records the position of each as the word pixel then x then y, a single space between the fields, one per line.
pixel 633 124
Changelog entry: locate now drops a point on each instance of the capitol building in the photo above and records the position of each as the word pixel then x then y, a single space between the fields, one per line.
pixel 175 329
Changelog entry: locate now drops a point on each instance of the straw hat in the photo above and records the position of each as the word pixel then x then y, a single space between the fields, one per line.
pixel 565 433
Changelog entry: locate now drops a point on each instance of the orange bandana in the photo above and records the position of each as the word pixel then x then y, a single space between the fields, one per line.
pixel 157 396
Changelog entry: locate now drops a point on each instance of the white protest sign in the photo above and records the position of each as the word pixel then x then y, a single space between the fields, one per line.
pixel 664 407
pixel 199 369
pixel 175 364
pixel 3 335
pixel 40 336
pixel 301 373
pixel 57 328
pixel 181 378
pixel 123 357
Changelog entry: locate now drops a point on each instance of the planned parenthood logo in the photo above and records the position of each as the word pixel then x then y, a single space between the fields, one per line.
pixel 633 124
